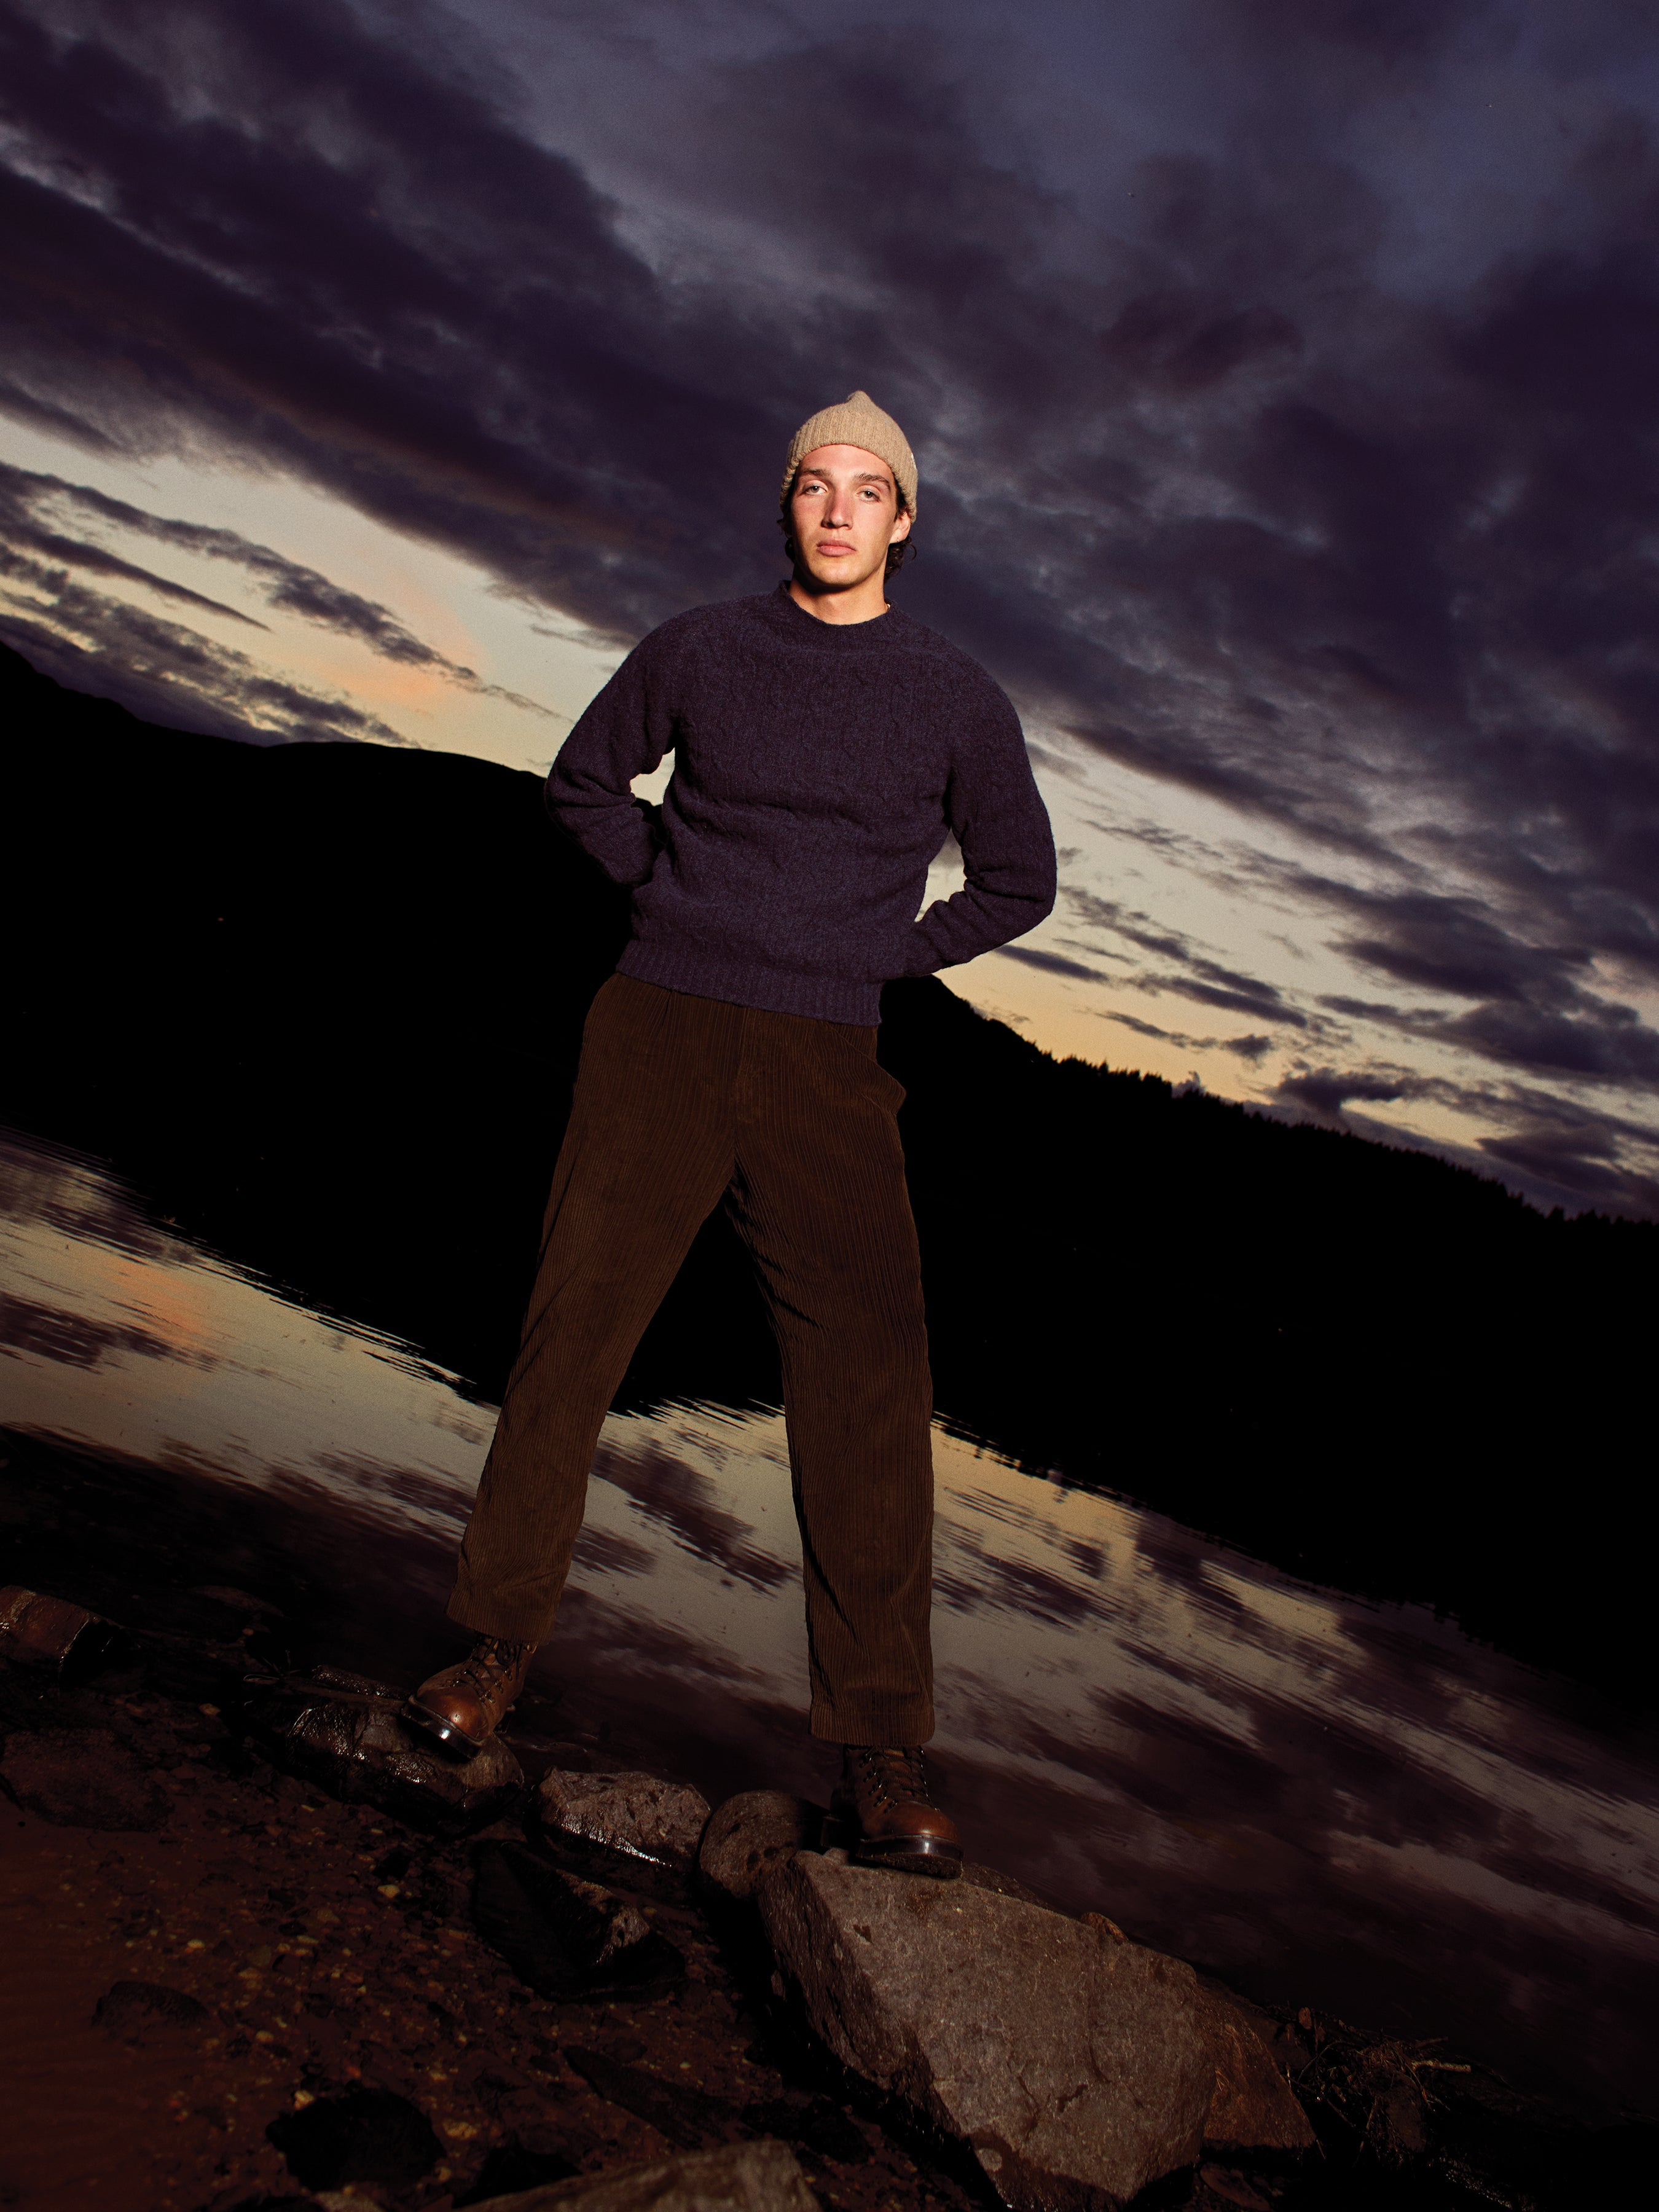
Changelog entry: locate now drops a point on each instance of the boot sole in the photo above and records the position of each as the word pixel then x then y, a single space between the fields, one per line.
pixel 943 1862
pixel 443 1731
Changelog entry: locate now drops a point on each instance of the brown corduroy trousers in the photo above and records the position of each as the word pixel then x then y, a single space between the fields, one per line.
pixel 681 1101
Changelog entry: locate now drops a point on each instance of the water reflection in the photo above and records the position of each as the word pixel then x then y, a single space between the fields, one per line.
pixel 1326 1801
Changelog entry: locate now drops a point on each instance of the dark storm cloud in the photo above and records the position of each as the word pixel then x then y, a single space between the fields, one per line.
pixel 1326 1093
pixel 1577 1155
pixel 1053 964
pixel 1215 475
pixel 1554 1149
pixel 1535 1010
pixel 1253 1048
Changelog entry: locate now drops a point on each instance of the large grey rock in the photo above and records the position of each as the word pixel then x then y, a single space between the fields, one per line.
pixel 634 1814
pixel 752 1834
pixel 1071 2062
pixel 755 2176
pixel 343 1732
pixel 82 1778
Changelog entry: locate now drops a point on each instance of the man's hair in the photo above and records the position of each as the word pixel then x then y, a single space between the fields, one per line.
pixel 896 554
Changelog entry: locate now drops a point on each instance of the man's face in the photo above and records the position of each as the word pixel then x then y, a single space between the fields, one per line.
pixel 843 515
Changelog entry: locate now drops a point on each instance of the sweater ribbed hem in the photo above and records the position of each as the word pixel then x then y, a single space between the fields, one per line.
pixel 704 974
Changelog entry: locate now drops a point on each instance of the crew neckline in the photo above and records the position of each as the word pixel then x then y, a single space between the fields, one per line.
pixel 845 635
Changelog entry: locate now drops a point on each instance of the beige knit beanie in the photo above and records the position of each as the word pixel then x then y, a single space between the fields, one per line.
pixel 857 422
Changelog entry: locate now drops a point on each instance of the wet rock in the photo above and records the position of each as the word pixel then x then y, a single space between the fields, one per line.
pixel 752 1834
pixel 342 1733
pixel 1072 2064
pixel 564 1937
pixel 82 1778
pixel 49 1632
pixel 634 1814
pixel 1253 2106
pixel 757 2176
pixel 135 2011
pixel 365 2136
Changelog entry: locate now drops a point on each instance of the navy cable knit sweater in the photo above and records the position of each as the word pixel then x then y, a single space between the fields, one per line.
pixel 816 768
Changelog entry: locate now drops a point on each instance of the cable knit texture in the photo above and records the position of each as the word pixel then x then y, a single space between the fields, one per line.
pixel 816 768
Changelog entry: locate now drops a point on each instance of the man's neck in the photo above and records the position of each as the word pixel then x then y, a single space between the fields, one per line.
pixel 862 604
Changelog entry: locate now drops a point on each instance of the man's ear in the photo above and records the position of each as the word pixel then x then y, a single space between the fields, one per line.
pixel 901 529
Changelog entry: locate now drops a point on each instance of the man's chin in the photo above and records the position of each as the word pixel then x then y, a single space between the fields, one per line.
pixel 833 577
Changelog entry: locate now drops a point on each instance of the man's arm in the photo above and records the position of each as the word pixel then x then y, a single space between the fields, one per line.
pixel 624 733
pixel 993 804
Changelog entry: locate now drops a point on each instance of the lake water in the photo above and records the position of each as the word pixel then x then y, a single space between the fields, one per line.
pixel 1323 1799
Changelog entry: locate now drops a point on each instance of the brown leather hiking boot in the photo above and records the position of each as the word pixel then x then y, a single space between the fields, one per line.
pixel 881 1806
pixel 465 1705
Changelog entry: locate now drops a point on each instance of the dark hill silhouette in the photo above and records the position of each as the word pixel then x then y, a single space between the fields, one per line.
pixel 323 1002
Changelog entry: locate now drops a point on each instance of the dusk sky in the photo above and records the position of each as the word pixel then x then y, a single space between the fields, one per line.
pixel 1284 376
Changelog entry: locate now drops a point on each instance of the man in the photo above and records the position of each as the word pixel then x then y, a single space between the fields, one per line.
pixel 824 743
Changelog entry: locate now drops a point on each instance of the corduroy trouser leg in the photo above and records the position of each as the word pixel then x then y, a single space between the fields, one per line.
pixel 681 1101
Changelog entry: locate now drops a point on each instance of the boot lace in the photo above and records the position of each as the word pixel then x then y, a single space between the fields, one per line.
pixel 891 1776
pixel 490 1658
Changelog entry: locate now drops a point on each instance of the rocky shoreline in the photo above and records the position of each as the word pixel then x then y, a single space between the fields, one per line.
pixel 263 1950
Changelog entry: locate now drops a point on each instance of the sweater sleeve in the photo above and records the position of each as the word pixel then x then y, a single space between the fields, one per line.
pixel 623 732
pixel 993 806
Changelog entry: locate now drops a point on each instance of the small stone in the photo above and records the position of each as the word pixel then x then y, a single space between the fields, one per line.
pixel 40 1630
pixel 752 1834
pixel 1108 1927
pixel 635 1814
pixel 754 2177
pixel 82 1778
